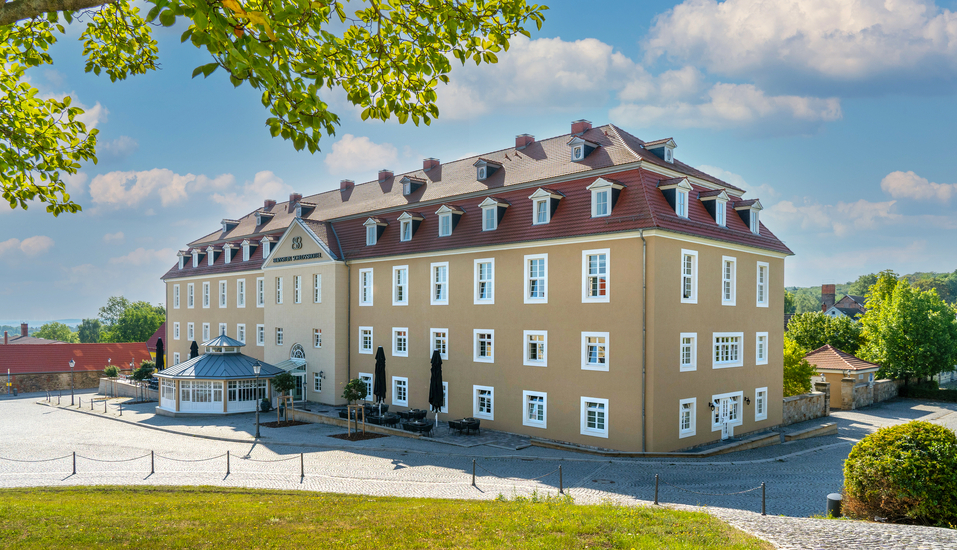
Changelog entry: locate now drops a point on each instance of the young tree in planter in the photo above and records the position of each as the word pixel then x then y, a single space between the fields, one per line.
pixel 355 390
pixel 143 373
pixel 112 372
pixel 283 383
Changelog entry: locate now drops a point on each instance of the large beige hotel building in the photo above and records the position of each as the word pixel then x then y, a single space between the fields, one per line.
pixel 588 288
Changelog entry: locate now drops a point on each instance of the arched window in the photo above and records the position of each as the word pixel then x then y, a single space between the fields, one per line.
pixel 297 352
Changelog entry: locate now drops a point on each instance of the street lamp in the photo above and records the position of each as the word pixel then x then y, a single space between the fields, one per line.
pixel 256 368
pixel 72 385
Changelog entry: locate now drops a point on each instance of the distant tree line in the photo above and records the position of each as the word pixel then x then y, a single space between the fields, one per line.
pixel 120 320
pixel 805 299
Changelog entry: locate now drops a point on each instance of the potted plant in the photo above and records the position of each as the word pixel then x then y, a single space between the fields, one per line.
pixel 355 390
pixel 283 383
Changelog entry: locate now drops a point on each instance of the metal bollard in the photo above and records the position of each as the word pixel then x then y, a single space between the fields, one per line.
pixel 74 462
pixel 91 403
pixel 58 399
pixel 473 472
pixel 302 466
pixel 121 408
pixel 656 489
pixel 152 464
pixel 227 462
pixel 104 405
pixel 763 494
pixel 79 402
pixel 561 486
pixel 834 505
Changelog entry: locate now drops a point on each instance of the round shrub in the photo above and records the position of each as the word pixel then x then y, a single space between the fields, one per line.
pixel 905 473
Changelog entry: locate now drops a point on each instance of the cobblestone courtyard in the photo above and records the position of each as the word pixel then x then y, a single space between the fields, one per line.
pixel 799 474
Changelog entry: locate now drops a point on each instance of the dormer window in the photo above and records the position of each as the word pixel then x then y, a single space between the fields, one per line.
pixel 246 251
pixel 749 211
pixel 581 148
pixel 229 225
pixel 663 149
pixel 669 155
pixel 604 196
pixel 484 168
pixel 449 217
pixel 195 258
pixel 182 259
pixel 408 224
pixel 445 225
pixel 544 203
pixel 210 255
pixel 371 236
pixel 716 203
pixel 374 229
pixel 681 204
pixel 406 230
pixel 721 213
pixel 676 192
pixel 227 252
pixel 755 225
pixel 411 185
pixel 492 212
pixel 304 208
pixel 266 242
pixel 263 217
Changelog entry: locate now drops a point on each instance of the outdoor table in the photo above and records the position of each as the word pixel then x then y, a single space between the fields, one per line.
pixel 470 424
pixel 405 415
pixel 418 414
pixel 418 426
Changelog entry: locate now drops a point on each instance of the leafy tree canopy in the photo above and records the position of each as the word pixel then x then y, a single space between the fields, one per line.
pixel 89 331
pixel 814 329
pixel 797 370
pixel 136 323
pixel 387 56
pixel 862 285
pixel 114 308
pixel 789 302
pixel 56 331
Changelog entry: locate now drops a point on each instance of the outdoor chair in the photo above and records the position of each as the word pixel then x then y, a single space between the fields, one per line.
pixel 456 425
pixel 418 414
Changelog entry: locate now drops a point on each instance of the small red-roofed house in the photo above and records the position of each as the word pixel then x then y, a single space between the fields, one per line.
pixel 46 367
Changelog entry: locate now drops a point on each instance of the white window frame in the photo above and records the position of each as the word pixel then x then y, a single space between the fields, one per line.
pixel 714 344
pixel 241 293
pixel 278 290
pixel 761 288
pixel 366 287
pixel 190 296
pixel 405 230
pixel 223 327
pixel 760 402
pixel 693 365
pixel 260 292
pixel 526 421
pixel 396 352
pixel 729 282
pixel 176 331
pixel 693 412
pixel 372 234
pixel 245 251
pixel 445 398
pixel 176 358
pixel 475 345
pixel 432 338
pixel 596 196
pixel 527 274
pixel 317 288
pixel 477 299
pixel 317 338
pixel 297 289
pixel 716 426
pixel 486 226
pixel 369 379
pixel 368 351
pixel 223 289
pixel 260 335
pixel 541 206
pixel 432 284
pixel 594 432
pixel 396 382
pixel 475 402
pixel 761 339
pixel 681 203
pixel 206 333
pixel 526 342
pixel 280 337
pixel 755 222
pixel 586 276
pixel 595 366
pixel 206 297
pixel 396 285
pixel 190 331
pixel 241 332
pixel 693 276
pixel 317 383
pixel 175 296
pixel 445 221
pixel 721 213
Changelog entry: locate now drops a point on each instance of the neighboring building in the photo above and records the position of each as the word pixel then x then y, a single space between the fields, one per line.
pixel 151 343
pixel 46 367
pixel 25 338
pixel 833 365
pixel 848 306
pixel 588 288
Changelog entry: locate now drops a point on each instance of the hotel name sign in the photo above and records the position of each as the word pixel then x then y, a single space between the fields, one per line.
pixel 297 245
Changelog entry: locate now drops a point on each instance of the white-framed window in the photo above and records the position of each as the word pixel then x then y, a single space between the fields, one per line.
pixel 535 413
pixel 317 337
pixel 483 402
pixel 365 287
pixel 245 251
pixel 222 329
pixel 279 338
pixel 596 265
pixel 405 230
pixel 297 289
pixel 761 348
pixel 721 213
pixel 371 234
pixel 240 292
pixel 536 348
pixel 594 417
pixel 687 409
pixel 440 284
pixel 681 203
pixel 595 351
pixel 190 331
pixel 317 288
pixel 400 285
pixel 727 349
pixel 483 345
pixel 689 276
pixel 176 331
pixel 688 353
pixel 445 224
pixel 260 292
pixel 541 213
pixel 726 405
pixel 445 398
pixel 222 293
pixel 260 335
pixel 762 286
pixel 755 224
pixel 728 283
pixel 368 379
pixel 206 336
pixel 400 391
pixel 176 358
pixel 278 290
pixel 489 218
pixel 400 341
pixel 175 296
pixel 317 382
pixel 536 279
pixel 206 294
pixel 485 281
pixel 440 341
pixel 241 332
pixel 189 296
pixel 600 203
pixel 365 340
pixel 760 404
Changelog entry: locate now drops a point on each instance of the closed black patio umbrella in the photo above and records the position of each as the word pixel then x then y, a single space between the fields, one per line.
pixel 436 391
pixel 160 355
pixel 378 384
pixel 193 350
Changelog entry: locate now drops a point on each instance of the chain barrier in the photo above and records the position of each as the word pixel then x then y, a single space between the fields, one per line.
pixel 561 483
pixel 518 478
pixel 277 460
pixel 191 459
pixel 712 494
pixel 40 460
pixel 112 461
pixel 762 487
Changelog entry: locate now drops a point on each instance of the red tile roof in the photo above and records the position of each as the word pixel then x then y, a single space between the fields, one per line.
pixel 160 333
pixel 827 357
pixel 56 357
pixel 33 340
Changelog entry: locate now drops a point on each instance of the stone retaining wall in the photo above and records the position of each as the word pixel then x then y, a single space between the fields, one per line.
pixel 799 408
pixel 854 396
pixel 53 381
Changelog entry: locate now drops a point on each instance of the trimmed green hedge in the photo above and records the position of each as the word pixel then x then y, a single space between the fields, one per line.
pixel 928 391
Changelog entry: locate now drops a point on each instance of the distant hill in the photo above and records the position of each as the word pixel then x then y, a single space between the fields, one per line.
pixel 809 298
pixel 72 323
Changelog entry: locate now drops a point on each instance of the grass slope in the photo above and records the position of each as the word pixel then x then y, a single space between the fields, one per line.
pixel 212 517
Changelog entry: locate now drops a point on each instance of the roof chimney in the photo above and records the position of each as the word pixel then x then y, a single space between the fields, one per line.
pixel 294 198
pixel 827 297
pixel 268 204
pixel 430 163
pixel 524 140
pixel 385 174
pixel 346 184
pixel 579 127
pixel 24 329
pixel 6 338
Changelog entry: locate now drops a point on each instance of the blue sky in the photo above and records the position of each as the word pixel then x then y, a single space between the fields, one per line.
pixel 840 117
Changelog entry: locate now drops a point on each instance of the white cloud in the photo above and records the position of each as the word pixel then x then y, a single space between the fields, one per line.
pixel 31 246
pixel 841 219
pixel 92 116
pixel 125 189
pixel 75 183
pixel 908 185
pixel 843 41
pixel 265 185
pixel 122 146
pixel 763 191
pixel 359 154
pixel 117 237
pixel 142 256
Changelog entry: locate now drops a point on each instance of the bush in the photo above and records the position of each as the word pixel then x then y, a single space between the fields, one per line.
pixel 265 405
pixel 904 473
pixel 928 390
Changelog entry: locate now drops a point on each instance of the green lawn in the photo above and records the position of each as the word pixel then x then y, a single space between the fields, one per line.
pixel 212 517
